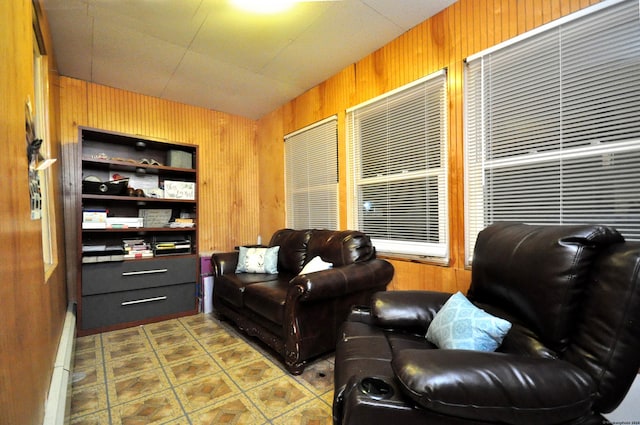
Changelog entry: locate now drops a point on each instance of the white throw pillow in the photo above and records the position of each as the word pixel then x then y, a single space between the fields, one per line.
pixel 315 265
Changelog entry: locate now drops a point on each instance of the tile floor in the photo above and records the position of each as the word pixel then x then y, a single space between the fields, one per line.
pixel 191 371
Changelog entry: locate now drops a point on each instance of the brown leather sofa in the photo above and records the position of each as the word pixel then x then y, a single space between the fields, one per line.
pixel 572 296
pixel 298 315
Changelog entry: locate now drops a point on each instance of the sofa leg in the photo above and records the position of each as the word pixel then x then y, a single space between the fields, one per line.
pixel 292 362
pixel 296 368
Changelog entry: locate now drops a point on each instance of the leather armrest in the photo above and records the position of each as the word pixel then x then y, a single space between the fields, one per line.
pixel 343 280
pixel 224 262
pixel 495 387
pixel 406 309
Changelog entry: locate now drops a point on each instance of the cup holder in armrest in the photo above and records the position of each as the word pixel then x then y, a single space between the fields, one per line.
pixel 361 309
pixel 360 313
pixel 375 388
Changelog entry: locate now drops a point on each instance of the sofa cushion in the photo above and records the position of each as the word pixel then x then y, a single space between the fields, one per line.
pixel 462 326
pixel 293 249
pixel 494 387
pixel 512 260
pixel 258 260
pixel 268 299
pixel 231 287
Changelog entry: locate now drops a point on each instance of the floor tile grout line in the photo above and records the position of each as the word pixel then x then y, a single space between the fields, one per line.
pixel 316 393
pixel 296 378
pixel 221 367
pixel 106 378
pixel 162 366
pixel 224 369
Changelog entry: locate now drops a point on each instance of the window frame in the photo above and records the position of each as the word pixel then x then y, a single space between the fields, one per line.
pixel 570 151
pixel 308 143
pixel 402 247
pixel 41 124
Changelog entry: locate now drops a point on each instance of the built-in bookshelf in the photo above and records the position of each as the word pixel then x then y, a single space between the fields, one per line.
pixel 138 230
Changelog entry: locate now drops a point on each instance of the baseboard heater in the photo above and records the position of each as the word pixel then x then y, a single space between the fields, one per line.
pixel 58 406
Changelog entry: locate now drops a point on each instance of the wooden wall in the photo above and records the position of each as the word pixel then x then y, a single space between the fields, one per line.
pixel 444 41
pixel 32 302
pixel 228 190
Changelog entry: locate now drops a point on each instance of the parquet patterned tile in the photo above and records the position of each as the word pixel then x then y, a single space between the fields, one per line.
pixel 193 370
pixel 157 408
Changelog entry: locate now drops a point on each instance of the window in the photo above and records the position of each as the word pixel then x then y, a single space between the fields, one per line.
pixel 398 169
pixel 311 176
pixel 44 174
pixel 553 125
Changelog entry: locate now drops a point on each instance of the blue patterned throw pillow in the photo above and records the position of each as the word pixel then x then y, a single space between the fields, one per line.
pixel 258 260
pixel 461 325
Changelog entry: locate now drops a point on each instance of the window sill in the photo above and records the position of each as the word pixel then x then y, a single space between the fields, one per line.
pixel 419 259
pixel 48 271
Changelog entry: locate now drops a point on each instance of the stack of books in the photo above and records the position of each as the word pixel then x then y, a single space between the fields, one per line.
pixel 136 248
pixel 182 246
pixel 182 223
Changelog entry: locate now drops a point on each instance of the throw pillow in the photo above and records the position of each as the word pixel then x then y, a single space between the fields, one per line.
pixel 258 260
pixel 461 325
pixel 315 265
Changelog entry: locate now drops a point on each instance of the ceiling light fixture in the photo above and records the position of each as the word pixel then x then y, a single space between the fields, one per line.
pixel 264 6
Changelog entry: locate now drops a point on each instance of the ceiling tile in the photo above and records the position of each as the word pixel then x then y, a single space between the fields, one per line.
pixel 206 53
pixel 411 13
pixel 341 37
pixel 253 40
pixel 225 87
pixel 174 21
pixel 128 59
pixel 71 33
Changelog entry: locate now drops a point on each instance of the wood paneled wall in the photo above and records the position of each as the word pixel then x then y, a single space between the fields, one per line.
pixel 228 189
pixel 444 41
pixel 32 302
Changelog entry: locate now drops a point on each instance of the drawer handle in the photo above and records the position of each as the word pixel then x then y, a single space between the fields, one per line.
pixel 144 272
pixel 146 300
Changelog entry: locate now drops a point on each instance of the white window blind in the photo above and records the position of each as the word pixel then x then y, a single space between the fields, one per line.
pixel 311 173
pixel 398 169
pixel 553 125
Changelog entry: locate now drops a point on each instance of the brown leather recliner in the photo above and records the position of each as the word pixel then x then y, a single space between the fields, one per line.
pixel 572 296
pixel 298 315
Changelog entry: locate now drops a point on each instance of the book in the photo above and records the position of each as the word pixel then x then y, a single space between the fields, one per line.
pixel 135 255
pixel 93 225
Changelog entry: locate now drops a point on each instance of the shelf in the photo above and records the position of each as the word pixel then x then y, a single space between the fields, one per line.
pixel 108 164
pixel 140 200
pixel 142 230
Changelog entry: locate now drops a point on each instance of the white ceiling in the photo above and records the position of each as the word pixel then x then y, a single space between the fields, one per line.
pixel 209 54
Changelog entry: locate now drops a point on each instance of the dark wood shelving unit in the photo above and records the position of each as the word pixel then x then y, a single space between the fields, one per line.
pixel 115 293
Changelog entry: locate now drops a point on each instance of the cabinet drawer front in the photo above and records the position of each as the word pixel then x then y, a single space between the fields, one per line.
pixel 129 306
pixel 103 278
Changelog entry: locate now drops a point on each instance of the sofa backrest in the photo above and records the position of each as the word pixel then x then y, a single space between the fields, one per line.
pixel 606 342
pixel 293 249
pixel 577 287
pixel 538 274
pixel 340 247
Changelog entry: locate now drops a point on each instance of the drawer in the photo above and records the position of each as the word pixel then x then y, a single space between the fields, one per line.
pixel 129 306
pixel 103 278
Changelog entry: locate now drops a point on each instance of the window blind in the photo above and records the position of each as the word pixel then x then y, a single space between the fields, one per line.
pixel 311 176
pixel 553 126
pixel 398 169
